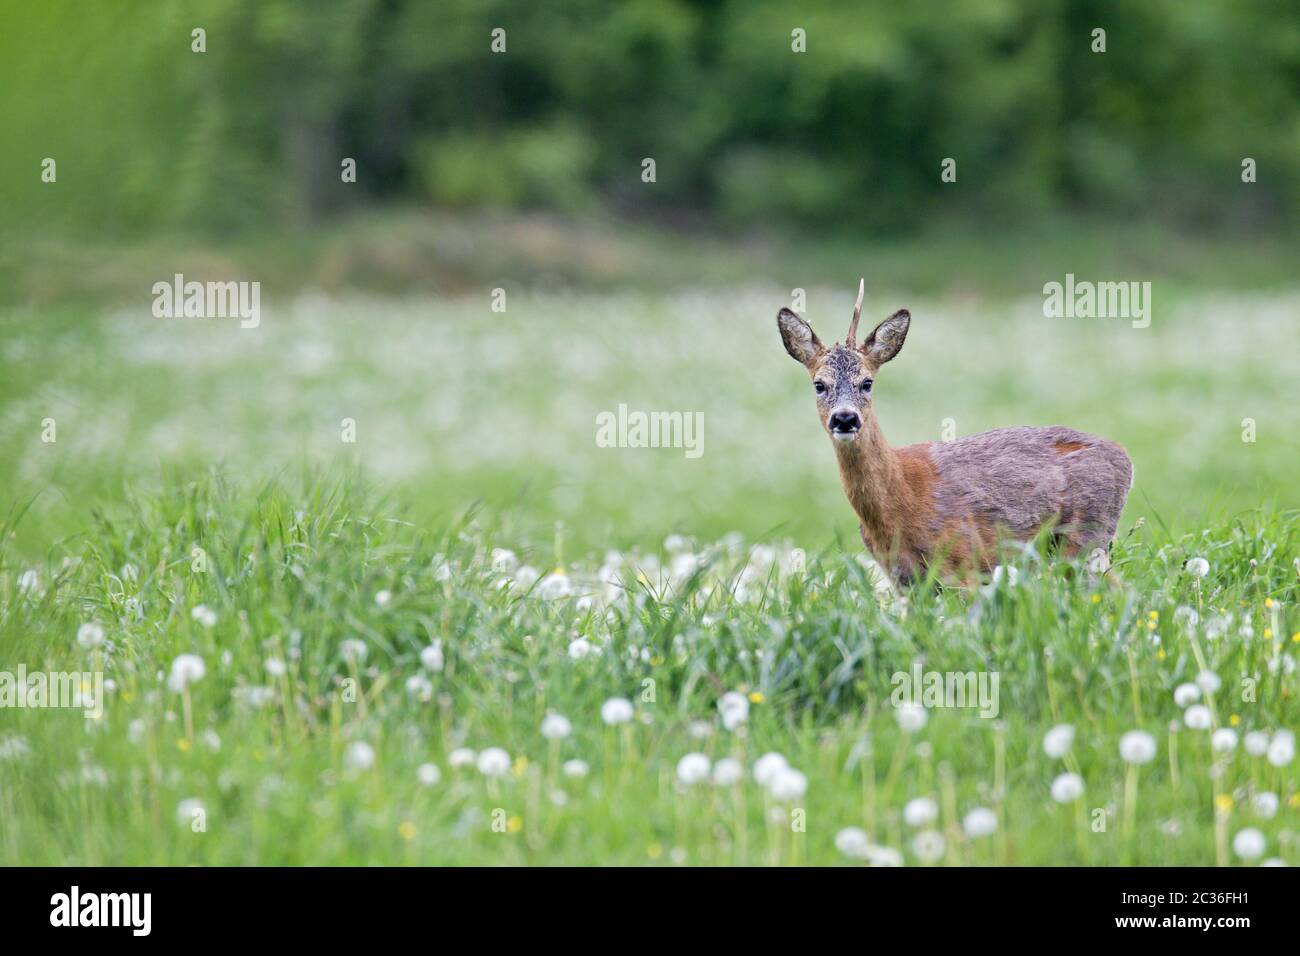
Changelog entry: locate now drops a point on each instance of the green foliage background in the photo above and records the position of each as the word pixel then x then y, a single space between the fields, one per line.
pixel 150 135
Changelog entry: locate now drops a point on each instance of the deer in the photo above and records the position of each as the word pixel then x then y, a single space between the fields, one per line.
pixel 946 507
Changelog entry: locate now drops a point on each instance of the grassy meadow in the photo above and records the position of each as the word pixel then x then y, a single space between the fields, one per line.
pixel 332 651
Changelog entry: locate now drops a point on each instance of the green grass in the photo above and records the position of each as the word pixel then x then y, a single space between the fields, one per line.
pixel 455 403
pixel 476 430
pixel 293 570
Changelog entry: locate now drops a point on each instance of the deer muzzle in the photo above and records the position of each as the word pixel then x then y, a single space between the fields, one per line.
pixel 844 424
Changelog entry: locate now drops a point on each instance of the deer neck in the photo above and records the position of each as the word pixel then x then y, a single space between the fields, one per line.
pixel 874 483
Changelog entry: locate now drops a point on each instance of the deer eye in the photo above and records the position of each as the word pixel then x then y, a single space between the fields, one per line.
pixel 819 387
pixel 866 385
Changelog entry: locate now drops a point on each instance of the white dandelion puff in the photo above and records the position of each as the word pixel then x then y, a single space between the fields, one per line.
pixel 884 856
pixel 1223 740
pixel 693 768
pixel 431 657
pixel 1249 844
pixel 1281 749
pixel 928 845
pixel 616 710
pixel 1265 804
pixel 734 708
pixel 419 688
pixel 504 561
pixel 555 586
pixel 187 669
pixel 1208 681
pixel 461 757
pixel 493 762
pixel 1067 788
pixel 787 785
pixel 767 767
pixel 853 842
pixel 580 648
pixel 1256 743
pixel 556 727
pixel 1186 694
pixel 1058 740
pixel 428 774
pixel 911 716
pixel 1197 717
pixel 1198 567
pixel 359 756
pixel 980 822
pixel 920 812
pixel 204 615
pixel 188 810
pixel 1137 747
pixel 90 634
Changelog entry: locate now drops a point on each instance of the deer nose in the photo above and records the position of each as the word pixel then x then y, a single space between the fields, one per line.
pixel 845 423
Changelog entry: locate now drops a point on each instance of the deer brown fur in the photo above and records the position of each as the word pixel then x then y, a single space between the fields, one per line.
pixel 948 504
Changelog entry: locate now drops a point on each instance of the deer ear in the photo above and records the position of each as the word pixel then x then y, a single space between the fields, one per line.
pixel 886 339
pixel 800 340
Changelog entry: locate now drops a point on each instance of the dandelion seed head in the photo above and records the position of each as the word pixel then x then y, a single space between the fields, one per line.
pixel 493 762
pixel 980 822
pixel 1224 740
pixel 187 669
pixel 359 756
pixel 1137 747
pixel 1058 740
pixel 787 785
pixel 853 843
pixel 693 768
pixel 461 757
pixel 1197 717
pixel 928 845
pixel 90 634
pixel 767 766
pixel 1067 788
pixel 1265 804
pixel 556 727
pixel 616 710
pixel 920 812
pixel 1249 844
pixel 1186 694
pixel 431 657
pixel 911 716
pixel 1256 743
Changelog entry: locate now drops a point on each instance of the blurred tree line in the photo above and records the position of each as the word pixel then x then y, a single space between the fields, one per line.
pixel 849 134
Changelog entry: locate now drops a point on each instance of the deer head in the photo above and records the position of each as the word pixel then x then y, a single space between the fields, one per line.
pixel 844 375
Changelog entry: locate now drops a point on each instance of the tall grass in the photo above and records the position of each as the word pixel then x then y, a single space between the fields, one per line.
pixel 296 572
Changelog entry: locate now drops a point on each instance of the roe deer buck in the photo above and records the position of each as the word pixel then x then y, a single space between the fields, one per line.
pixel 948 503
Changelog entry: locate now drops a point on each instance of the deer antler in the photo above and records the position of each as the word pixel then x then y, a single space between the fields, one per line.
pixel 857 314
